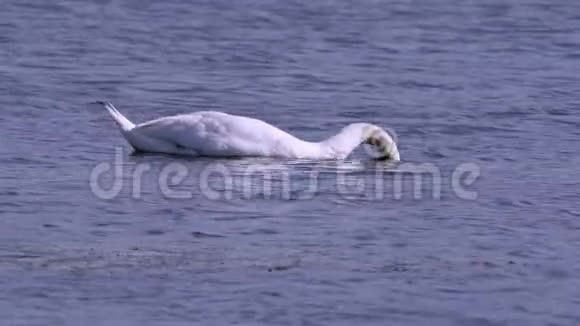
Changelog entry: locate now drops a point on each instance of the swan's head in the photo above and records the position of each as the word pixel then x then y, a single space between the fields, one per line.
pixel 382 143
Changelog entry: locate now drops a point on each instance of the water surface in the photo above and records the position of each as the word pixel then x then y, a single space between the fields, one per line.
pixel 493 84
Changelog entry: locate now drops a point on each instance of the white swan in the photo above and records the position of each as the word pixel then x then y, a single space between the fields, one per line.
pixel 218 134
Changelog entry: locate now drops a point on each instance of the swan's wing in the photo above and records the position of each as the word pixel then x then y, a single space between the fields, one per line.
pixel 215 133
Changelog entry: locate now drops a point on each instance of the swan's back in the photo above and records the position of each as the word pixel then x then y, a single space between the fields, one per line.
pixel 212 133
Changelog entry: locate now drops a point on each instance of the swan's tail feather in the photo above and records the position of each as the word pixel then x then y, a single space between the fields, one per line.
pixel 120 119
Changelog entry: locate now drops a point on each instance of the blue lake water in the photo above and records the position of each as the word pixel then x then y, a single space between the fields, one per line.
pixel 478 225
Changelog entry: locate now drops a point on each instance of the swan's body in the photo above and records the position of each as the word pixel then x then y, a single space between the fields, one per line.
pixel 218 134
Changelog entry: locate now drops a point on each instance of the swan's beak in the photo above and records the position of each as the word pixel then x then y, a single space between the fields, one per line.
pixel 395 156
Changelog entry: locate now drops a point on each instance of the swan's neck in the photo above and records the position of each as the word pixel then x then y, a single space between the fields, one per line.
pixel 342 144
pixel 349 138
